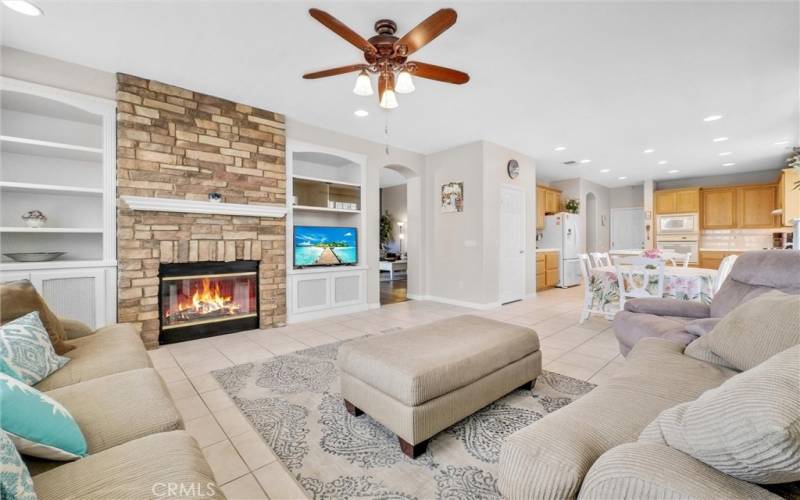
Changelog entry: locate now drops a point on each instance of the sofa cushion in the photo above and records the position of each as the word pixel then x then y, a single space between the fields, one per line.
pixel 38 425
pixel 113 349
pixel 427 361
pixel 749 427
pixel 15 480
pixel 668 307
pixel 144 468
pixel 635 471
pixel 549 458
pixel 754 331
pixel 631 327
pixel 25 350
pixel 18 298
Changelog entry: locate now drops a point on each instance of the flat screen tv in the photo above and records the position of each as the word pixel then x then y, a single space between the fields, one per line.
pixel 325 246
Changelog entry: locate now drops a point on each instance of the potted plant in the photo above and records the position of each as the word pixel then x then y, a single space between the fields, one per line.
pixel 386 229
pixel 572 206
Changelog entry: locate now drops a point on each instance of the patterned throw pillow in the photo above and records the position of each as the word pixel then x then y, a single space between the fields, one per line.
pixel 25 350
pixel 15 480
pixel 38 425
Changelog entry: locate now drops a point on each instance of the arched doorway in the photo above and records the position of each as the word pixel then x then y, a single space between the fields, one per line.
pixel 592 222
pixel 399 233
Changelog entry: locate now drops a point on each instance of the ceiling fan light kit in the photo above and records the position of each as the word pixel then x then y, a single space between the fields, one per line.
pixel 387 56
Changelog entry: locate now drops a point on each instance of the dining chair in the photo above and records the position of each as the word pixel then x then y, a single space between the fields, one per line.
pixel 586 274
pixel 724 270
pixel 634 276
pixel 601 259
pixel 678 259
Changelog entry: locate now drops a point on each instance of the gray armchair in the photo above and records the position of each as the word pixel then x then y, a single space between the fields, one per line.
pixel 681 321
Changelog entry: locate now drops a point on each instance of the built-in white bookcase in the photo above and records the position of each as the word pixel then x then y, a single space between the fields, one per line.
pixel 325 187
pixel 58 156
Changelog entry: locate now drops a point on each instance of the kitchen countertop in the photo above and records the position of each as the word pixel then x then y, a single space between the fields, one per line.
pixel 542 250
pixel 732 249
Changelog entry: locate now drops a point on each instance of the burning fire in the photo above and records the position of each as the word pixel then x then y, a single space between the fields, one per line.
pixel 209 300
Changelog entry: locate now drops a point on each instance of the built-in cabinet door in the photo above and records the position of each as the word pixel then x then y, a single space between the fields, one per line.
pixel 719 208
pixel 687 201
pixel 551 202
pixel 665 202
pixel 790 197
pixel 79 294
pixel 756 204
pixel 540 207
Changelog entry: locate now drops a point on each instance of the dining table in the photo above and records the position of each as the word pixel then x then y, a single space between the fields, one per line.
pixel 682 283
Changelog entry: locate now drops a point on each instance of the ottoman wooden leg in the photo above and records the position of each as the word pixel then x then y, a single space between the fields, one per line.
pixel 351 409
pixel 413 450
pixel 527 386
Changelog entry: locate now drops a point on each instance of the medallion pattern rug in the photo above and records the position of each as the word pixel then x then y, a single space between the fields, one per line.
pixel 293 401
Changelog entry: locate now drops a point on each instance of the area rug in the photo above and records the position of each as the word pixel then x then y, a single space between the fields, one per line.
pixel 293 401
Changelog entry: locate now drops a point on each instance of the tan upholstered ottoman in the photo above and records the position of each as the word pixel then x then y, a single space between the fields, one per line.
pixel 421 381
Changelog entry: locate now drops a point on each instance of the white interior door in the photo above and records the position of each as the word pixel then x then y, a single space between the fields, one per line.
pixel 627 228
pixel 512 244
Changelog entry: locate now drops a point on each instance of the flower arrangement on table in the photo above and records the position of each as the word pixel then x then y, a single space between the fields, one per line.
pixel 652 253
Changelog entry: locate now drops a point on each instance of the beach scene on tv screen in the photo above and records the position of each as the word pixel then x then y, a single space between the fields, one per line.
pixel 324 246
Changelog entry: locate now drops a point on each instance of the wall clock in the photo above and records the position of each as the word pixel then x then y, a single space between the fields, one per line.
pixel 513 168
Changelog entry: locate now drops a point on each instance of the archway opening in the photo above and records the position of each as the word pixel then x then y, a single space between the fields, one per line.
pixel 399 230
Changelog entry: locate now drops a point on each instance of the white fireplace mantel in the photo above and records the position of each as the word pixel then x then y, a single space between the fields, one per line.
pixel 202 207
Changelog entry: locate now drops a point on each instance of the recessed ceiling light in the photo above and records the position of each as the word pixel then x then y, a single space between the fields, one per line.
pixel 719 139
pixel 23 7
pixel 648 151
pixel 361 113
pixel 728 164
pixel 559 148
pixel 712 118
pixel 585 160
pixel 605 171
pixel 781 143
pixel 663 162
pixel 621 178
pixel 725 153
pixel 673 171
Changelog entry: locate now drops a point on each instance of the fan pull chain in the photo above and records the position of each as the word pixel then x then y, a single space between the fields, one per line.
pixel 386 131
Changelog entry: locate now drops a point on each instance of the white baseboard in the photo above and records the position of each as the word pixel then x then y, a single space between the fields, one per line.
pixel 454 302
pixel 375 305
pixel 327 313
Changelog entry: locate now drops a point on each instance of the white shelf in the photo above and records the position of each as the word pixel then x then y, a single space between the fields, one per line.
pixel 35 147
pixel 327 269
pixel 202 207
pixel 55 264
pixel 325 209
pixel 28 187
pixel 52 230
pixel 327 181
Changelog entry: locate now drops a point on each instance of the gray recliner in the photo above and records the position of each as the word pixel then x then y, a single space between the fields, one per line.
pixel 682 321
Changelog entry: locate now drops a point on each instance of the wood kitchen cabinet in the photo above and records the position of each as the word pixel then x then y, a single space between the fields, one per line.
pixel 719 208
pixel 756 204
pixel 546 270
pixel 712 259
pixel 788 197
pixel 677 201
pixel 548 201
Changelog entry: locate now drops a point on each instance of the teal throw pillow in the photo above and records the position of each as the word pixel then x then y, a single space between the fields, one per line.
pixel 26 352
pixel 15 480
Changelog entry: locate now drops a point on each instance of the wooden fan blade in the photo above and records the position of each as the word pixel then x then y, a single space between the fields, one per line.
pixel 427 30
pixel 341 29
pixel 334 71
pixel 440 73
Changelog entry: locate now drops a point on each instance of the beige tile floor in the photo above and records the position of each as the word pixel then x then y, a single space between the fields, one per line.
pixel 247 469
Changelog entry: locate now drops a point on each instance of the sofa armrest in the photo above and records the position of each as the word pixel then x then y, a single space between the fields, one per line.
pixel 668 307
pixel 648 470
pixel 75 329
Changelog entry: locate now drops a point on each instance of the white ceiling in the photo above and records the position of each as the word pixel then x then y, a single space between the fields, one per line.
pixel 606 80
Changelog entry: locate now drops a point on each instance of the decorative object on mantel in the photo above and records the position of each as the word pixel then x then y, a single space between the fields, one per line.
pixel 572 206
pixel 202 207
pixel 386 55
pixel 452 197
pixel 513 169
pixel 214 197
pixel 34 218
pixel 34 256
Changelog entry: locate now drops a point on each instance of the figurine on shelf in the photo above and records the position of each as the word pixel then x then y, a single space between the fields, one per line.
pixel 34 218
pixel 214 197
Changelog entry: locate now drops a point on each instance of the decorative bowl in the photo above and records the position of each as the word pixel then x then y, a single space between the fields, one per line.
pixel 34 256
pixel 34 218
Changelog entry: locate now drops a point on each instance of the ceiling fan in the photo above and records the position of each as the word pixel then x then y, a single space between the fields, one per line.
pixel 387 56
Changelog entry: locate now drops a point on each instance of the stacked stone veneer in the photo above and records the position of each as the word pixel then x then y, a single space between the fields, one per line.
pixel 175 143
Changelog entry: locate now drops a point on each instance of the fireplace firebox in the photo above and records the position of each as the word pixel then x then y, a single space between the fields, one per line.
pixel 204 299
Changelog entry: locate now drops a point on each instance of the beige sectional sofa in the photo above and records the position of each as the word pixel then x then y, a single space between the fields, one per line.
pixel 137 448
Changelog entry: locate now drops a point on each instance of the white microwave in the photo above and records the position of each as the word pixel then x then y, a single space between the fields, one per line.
pixel 678 224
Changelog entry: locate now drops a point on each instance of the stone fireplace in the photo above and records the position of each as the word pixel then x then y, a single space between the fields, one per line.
pixel 174 148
